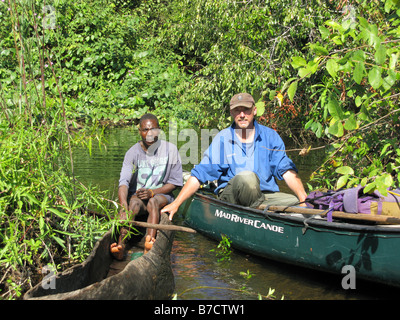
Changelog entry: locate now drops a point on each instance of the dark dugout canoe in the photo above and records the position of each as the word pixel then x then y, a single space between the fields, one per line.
pixel 100 277
pixel 373 251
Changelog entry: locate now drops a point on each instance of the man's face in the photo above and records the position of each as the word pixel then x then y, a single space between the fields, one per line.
pixel 244 117
pixel 149 131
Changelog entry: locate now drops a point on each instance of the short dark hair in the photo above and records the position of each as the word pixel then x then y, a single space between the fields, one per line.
pixel 148 116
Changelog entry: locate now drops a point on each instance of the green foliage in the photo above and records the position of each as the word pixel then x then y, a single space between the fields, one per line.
pixel 236 46
pixel 329 68
pixel 223 251
pixel 353 75
pixel 43 208
pixel 105 69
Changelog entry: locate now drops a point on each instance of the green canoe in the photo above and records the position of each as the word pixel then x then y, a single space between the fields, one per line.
pixel 304 240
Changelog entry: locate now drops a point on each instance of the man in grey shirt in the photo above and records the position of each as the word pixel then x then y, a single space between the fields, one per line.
pixel 151 170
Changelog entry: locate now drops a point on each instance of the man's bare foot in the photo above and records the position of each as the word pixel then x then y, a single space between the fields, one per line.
pixel 148 243
pixel 117 251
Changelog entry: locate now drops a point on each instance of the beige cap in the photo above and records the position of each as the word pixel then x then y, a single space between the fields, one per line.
pixel 242 99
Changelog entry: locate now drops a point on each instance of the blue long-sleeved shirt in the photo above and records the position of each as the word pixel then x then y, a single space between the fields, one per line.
pixel 227 156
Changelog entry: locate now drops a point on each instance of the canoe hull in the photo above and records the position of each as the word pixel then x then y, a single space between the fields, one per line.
pixel 314 243
pixel 149 277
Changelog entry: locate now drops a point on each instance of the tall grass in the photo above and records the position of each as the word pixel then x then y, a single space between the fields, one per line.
pixel 43 207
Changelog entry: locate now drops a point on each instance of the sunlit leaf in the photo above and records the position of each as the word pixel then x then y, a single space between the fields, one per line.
pixel 351 123
pixel 292 90
pixel 332 67
pixel 380 54
pixel 345 170
pixel 298 62
pixel 260 108
pixel 359 72
pixel 375 77
pixel 335 108
pixel 342 181
pixel 336 129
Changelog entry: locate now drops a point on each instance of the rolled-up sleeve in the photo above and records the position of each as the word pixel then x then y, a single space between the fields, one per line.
pixel 280 162
pixel 127 169
pixel 174 172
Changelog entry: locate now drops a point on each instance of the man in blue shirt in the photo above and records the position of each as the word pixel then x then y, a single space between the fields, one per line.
pixel 245 158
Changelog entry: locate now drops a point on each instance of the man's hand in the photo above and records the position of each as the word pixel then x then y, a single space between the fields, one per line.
pixel 171 209
pixel 189 189
pixel 144 194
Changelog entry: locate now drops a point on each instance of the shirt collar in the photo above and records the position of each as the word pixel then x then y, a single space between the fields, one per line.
pixel 256 134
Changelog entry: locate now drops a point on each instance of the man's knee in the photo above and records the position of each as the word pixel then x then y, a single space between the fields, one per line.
pixel 153 205
pixel 135 205
pixel 281 199
pixel 246 179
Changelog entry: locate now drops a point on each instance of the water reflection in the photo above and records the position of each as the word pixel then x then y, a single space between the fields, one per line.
pixel 195 266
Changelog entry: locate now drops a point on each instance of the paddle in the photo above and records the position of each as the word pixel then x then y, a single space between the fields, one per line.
pixel 337 214
pixel 150 225
pixel 162 226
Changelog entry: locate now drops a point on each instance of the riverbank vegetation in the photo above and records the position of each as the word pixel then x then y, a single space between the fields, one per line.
pixel 322 72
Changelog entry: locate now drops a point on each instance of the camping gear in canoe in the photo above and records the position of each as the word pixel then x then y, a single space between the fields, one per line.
pixel 149 276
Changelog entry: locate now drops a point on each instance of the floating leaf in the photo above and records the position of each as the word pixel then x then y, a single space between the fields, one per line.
pixel 393 61
pixel 383 183
pixel 364 181
pixel 390 80
pixel 325 33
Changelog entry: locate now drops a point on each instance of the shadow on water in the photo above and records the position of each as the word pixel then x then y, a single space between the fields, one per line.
pixel 198 274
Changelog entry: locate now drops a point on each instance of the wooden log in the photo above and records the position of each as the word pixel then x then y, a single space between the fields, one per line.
pixel 381 219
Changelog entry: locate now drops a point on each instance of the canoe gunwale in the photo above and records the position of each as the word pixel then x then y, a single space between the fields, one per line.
pixel 310 220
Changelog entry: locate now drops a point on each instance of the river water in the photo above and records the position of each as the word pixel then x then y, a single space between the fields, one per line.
pixel 198 273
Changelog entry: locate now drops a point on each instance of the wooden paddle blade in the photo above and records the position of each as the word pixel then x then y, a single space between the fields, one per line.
pixel 163 226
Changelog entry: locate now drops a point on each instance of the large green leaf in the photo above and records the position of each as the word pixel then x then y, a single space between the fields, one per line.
pixel 359 72
pixel 351 123
pixel 260 108
pixel 319 50
pixel 342 181
pixel 345 170
pixel 298 62
pixel 375 77
pixel 380 54
pixel 335 108
pixel 332 67
pixel 336 129
pixel 292 90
